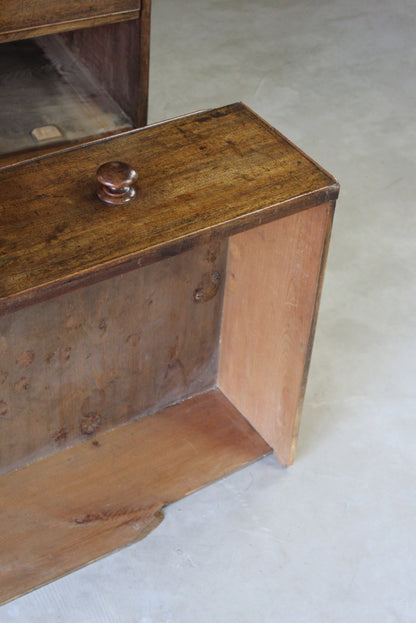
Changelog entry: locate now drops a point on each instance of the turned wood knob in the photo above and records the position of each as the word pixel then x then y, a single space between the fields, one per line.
pixel 116 179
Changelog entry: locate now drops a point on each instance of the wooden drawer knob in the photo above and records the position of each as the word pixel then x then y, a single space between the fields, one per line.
pixel 116 179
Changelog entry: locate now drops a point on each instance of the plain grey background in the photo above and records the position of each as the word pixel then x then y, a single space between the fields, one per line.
pixel 333 537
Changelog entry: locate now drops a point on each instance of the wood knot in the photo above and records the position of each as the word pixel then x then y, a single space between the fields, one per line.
pixel 90 423
pixel 208 287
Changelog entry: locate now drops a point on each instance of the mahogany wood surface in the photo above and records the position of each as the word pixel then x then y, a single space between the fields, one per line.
pixel 77 505
pixel 142 85
pixel 117 55
pixel 274 276
pixel 201 177
pixel 20 19
pixel 89 360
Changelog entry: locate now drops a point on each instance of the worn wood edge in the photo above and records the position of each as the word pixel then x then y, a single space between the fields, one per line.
pixel 288 460
pixel 149 516
pixel 75 24
pixel 157 253
pixel 144 58
pixel 273 130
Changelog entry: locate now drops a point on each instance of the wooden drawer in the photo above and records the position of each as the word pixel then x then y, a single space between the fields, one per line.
pixel 20 19
pixel 62 88
pixel 150 348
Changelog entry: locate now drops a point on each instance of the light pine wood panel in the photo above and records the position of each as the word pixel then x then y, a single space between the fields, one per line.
pixel 274 276
pixel 92 359
pixel 73 507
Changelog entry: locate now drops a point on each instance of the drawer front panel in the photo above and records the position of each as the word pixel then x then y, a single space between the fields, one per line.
pixel 19 18
pixel 201 177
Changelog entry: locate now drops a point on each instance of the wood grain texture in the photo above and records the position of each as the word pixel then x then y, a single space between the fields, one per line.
pixel 201 177
pixel 90 360
pixel 72 508
pixel 274 277
pixel 117 55
pixel 20 19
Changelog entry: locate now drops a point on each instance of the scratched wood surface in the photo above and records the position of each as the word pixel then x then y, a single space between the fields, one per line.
pixel 21 19
pixel 200 177
pixel 271 301
pixel 81 503
pixel 89 360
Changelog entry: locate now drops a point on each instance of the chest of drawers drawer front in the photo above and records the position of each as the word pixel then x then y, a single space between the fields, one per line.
pixel 202 176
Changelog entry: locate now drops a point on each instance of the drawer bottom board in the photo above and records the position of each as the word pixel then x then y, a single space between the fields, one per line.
pixel 71 508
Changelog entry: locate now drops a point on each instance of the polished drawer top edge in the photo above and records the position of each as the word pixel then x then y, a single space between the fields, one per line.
pixel 248 174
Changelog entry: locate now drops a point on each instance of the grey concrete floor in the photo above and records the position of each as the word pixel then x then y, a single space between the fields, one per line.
pixel 332 538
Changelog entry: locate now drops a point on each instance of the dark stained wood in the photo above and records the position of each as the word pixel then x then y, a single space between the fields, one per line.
pixel 20 19
pixel 117 55
pixel 93 359
pixel 201 177
pixel 142 86
pixel 109 53
pixel 44 84
pixel 274 277
pixel 71 508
